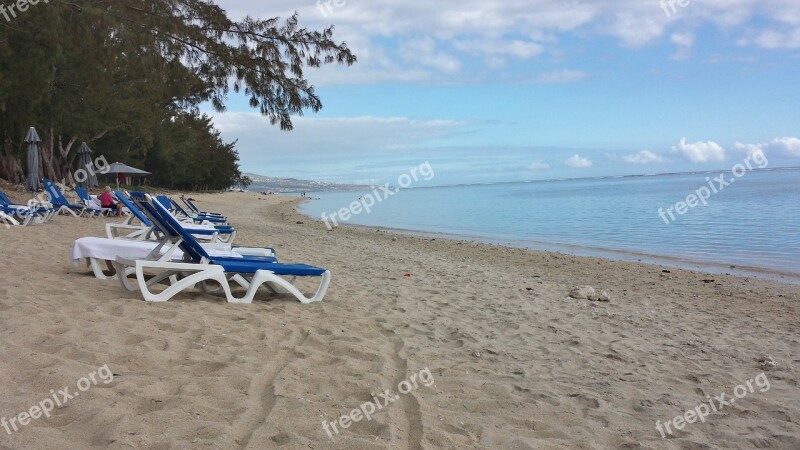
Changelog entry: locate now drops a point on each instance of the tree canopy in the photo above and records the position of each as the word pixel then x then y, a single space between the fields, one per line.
pixel 129 77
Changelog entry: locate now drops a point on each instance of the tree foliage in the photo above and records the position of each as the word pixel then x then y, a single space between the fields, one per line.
pixel 129 77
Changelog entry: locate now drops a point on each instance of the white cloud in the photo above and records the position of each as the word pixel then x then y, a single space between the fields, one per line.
pixel 497 51
pixel 774 39
pixel 561 76
pixel 750 149
pixel 501 32
pixel 790 144
pixel 643 157
pixel 424 51
pixel 330 137
pixel 636 29
pixel 700 151
pixel 684 42
pixel 579 162
pixel 538 165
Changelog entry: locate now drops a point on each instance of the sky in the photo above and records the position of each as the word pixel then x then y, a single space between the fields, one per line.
pixel 494 91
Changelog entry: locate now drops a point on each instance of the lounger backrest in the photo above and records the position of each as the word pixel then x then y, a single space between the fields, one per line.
pixel 164 200
pixel 167 224
pixel 178 208
pixel 170 204
pixel 190 244
pixel 134 210
pixel 56 197
pixel 190 205
pixel 82 193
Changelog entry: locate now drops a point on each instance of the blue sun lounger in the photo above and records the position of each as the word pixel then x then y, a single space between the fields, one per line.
pixel 220 233
pixel 193 208
pixel 63 205
pixel 171 205
pixel 83 194
pixel 24 214
pixel 248 272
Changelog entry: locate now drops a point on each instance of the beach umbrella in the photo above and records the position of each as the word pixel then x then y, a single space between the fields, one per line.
pixel 123 169
pixel 33 140
pixel 85 175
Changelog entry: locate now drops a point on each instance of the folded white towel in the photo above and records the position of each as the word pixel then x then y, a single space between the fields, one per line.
pixel 111 249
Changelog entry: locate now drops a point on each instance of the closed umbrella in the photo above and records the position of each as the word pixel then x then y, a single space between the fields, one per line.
pixel 85 175
pixel 33 140
pixel 122 169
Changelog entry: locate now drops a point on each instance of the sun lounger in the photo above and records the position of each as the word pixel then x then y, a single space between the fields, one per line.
pixel 248 272
pixel 193 208
pixel 41 214
pixel 99 252
pixel 7 220
pixel 176 209
pixel 63 205
pixel 83 194
pixel 145 230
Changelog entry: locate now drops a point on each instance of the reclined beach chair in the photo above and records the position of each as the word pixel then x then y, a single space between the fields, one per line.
pixel 176 209
pixel 193 208
pixel 83 194
pixel 249 272
pixel 145 230
pixel 20 216
pixel 99 252
pixel 26 214
pixel 63 205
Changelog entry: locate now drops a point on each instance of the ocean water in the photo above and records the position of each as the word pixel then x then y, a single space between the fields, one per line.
pixel 753 223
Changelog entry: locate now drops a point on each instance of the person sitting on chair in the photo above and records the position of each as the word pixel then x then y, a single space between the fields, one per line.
pixel 107 201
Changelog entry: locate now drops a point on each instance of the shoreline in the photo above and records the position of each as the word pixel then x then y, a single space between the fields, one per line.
pixel 663 262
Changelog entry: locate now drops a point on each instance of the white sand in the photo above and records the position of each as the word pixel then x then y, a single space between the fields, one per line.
pixel 516 363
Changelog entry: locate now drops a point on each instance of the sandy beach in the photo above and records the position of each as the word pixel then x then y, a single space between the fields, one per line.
pixel 478 346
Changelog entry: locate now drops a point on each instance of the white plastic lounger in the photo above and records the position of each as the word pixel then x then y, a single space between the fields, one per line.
pixel 249 272
pixel 145 229
pixel 8 220
pixel 99 252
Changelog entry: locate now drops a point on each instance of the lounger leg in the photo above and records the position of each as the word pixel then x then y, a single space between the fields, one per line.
pixel 265 276
pixel 9 219
pixel 98 271
pixel 66 210
pixel 215 273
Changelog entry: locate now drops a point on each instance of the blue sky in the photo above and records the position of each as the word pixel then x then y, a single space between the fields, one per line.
pixel 491 91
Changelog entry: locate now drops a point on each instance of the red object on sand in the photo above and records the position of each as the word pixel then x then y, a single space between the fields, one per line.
pixel 408 275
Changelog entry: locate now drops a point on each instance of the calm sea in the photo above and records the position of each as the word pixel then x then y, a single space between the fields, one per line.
pixel 752 224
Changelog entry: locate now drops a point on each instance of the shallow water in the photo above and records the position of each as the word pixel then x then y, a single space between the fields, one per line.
pixel 753 223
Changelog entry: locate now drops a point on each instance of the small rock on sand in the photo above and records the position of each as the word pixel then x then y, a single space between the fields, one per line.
pixel 589 293
pixel 582 292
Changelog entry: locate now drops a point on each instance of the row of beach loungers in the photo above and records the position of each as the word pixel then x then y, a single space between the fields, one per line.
pixel 162 249
pixel 43 211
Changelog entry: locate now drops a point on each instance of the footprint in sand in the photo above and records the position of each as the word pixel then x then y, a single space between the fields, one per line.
pixel 586 402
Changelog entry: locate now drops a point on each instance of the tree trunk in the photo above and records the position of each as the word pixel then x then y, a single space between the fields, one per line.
pixel 48 158
pixel 10 167
pixel 65 169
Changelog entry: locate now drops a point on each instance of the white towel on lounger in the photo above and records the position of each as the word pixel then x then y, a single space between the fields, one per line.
pixel 111 249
